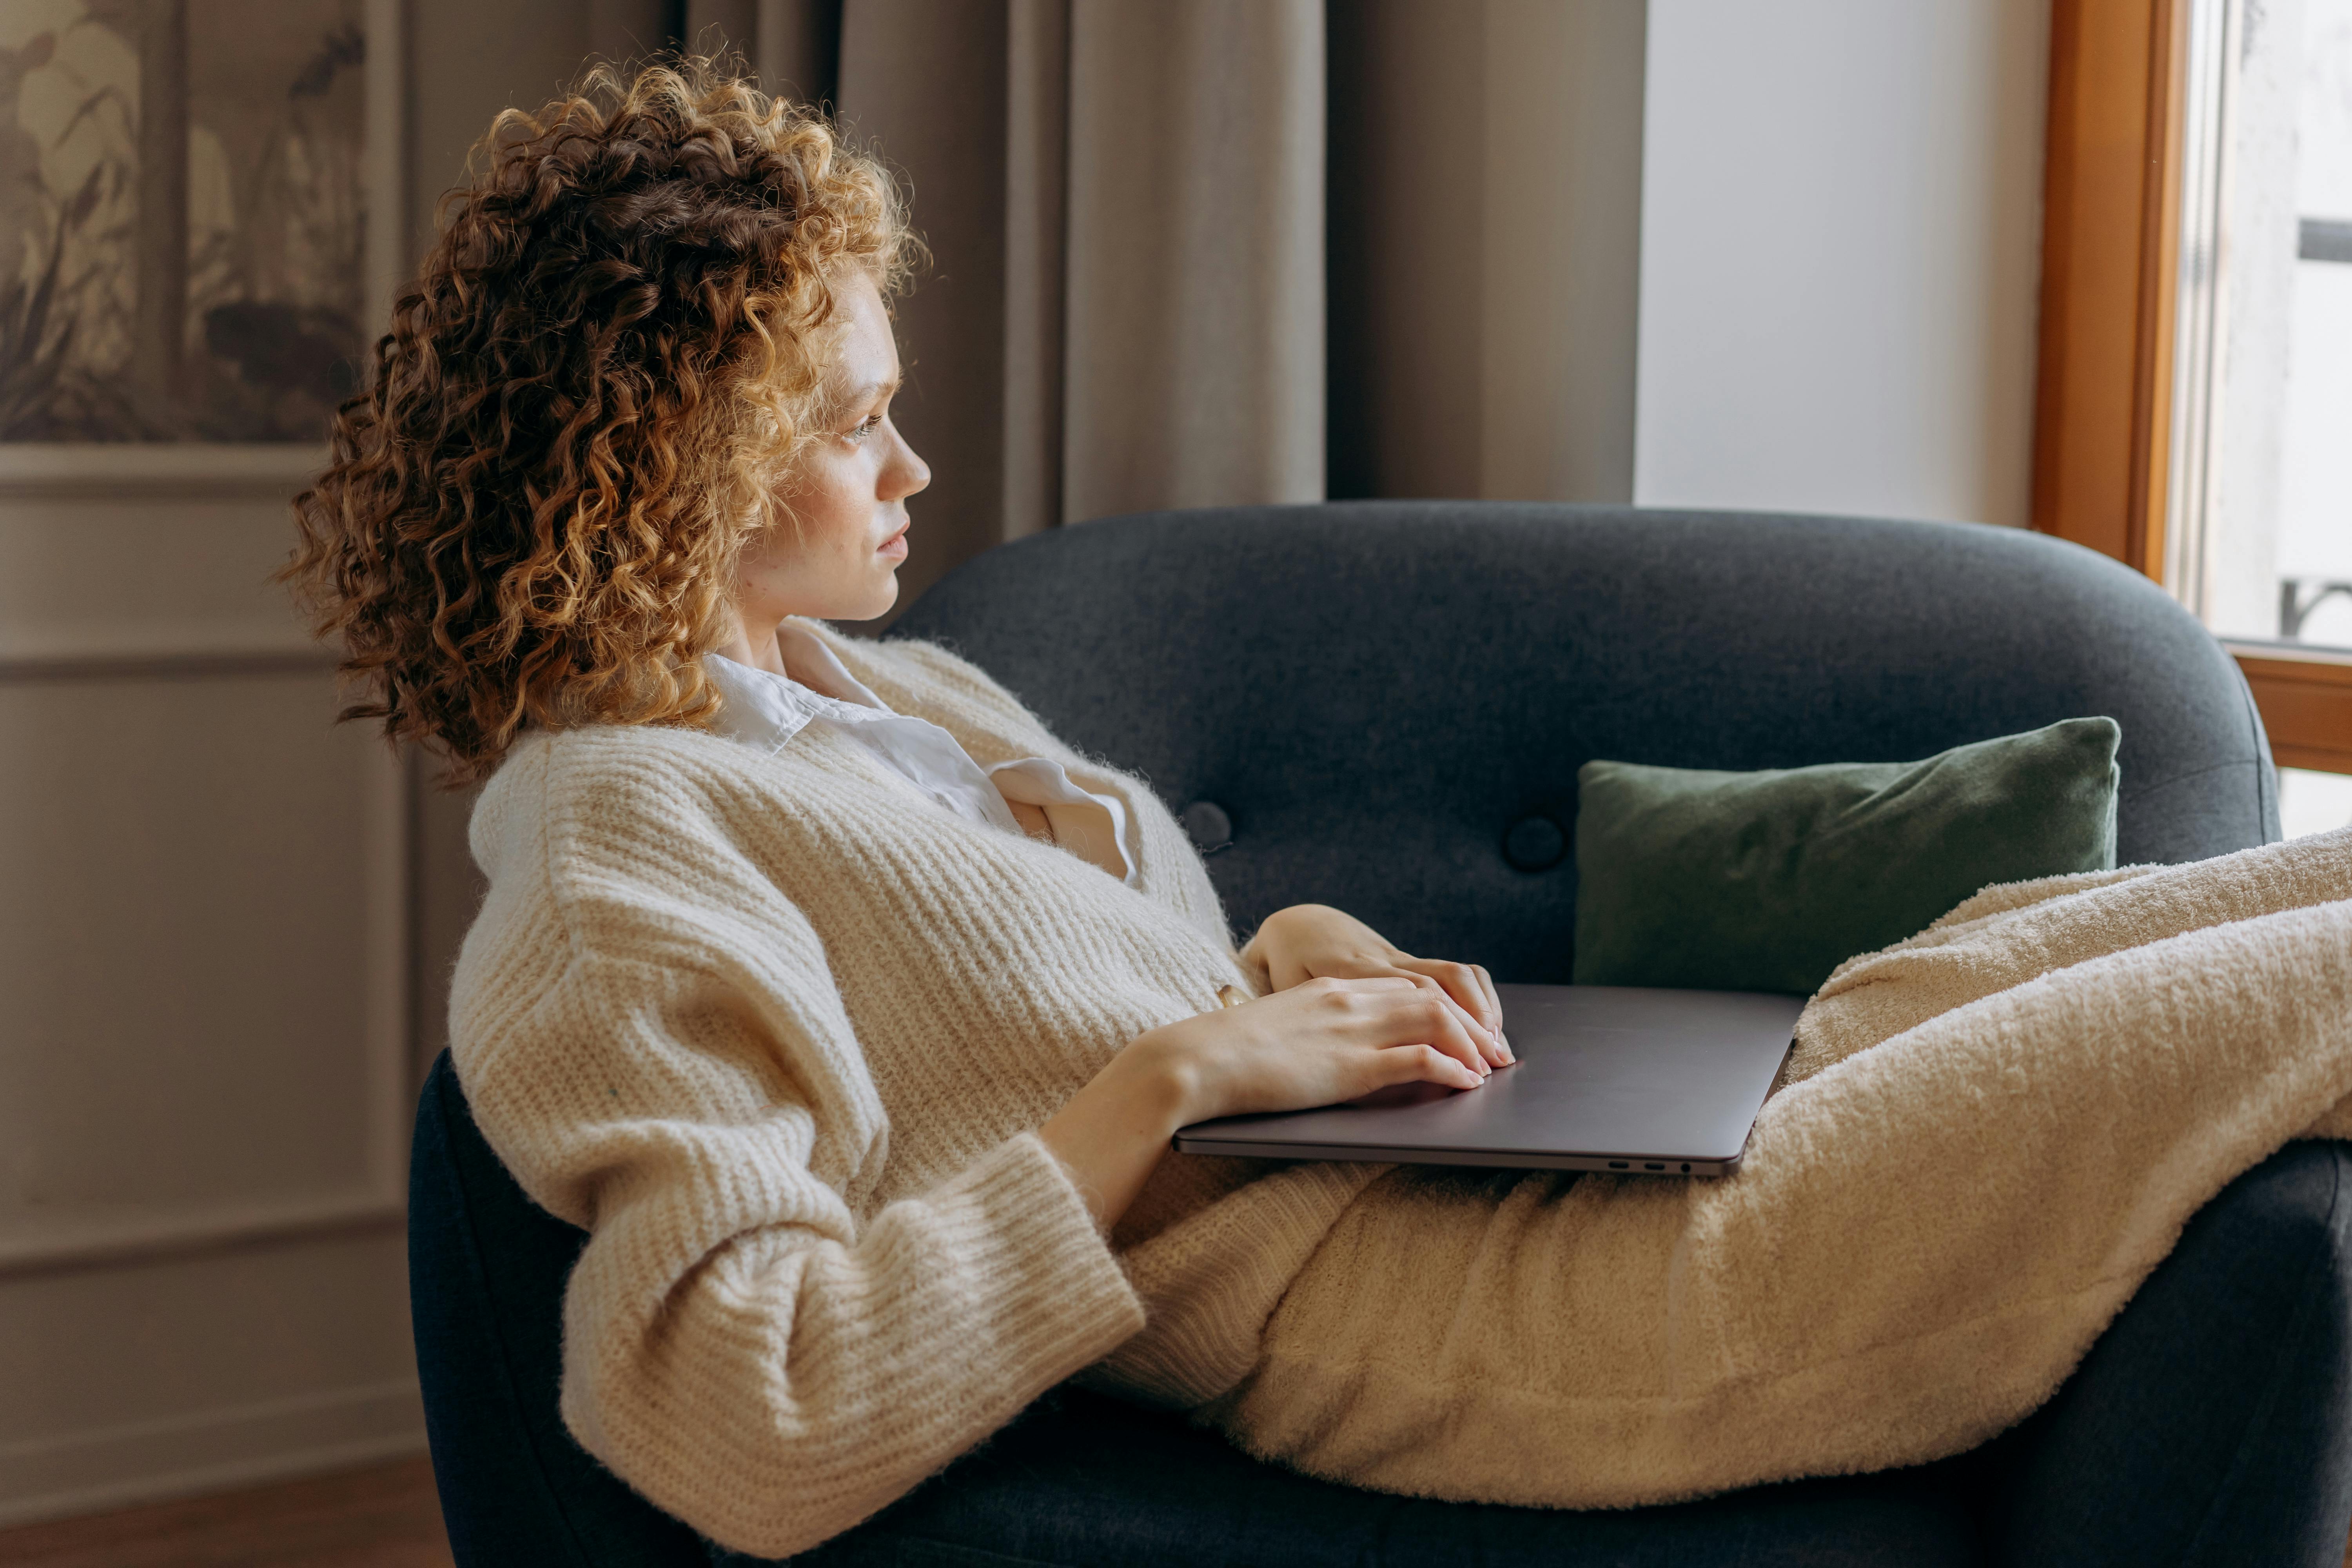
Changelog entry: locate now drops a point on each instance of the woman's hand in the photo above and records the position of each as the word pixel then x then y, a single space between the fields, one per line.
pixel 1315 941
pixel 1317 1042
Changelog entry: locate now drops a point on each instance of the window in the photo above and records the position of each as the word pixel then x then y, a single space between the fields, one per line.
pixel 2194 411
pixel 2260 524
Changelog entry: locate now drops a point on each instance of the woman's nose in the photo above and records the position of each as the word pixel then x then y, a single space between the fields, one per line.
pixel 905 473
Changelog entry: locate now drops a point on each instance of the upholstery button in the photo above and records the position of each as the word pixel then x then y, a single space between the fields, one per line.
pixel 1207 826
pixel 1535 844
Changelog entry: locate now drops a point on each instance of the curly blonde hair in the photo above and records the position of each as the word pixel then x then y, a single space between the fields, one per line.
pixel 614 349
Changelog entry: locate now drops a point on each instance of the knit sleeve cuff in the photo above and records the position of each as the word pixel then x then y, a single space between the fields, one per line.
pixel 1061 1299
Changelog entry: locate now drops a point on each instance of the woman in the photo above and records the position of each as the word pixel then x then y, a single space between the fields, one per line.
pixel 851 1012
pixel 849 1035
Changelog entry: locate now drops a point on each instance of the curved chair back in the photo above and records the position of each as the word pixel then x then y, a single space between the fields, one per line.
pixel 1387 704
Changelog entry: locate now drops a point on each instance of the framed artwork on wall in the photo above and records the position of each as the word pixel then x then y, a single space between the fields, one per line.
pixel 199 226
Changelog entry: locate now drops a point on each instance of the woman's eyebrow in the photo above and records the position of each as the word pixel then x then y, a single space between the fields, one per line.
pixel 860 396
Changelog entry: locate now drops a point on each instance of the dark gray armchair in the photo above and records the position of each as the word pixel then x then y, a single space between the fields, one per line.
pixel 1383 705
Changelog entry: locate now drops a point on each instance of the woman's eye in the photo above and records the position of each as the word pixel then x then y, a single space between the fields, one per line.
pixel 866 426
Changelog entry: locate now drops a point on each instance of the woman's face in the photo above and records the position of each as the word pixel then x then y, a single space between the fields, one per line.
pixel 849 491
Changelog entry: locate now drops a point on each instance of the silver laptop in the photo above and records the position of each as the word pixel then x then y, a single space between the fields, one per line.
pixel 1609 1078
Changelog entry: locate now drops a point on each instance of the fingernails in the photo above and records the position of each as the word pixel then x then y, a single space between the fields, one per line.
pixel 1503 1040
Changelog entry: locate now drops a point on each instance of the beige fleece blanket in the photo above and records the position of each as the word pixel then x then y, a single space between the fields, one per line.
pixel 1988 1136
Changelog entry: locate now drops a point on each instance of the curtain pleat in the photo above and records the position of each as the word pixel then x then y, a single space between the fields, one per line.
pixel 1037 237
pixel 1406 211
pixel 1194 365
pixel 795 48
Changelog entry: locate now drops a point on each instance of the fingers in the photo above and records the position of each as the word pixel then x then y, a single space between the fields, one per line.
pixel 1442 1023
pixel 1495 1002
pixel 1459 981
pixel 1403 1009
pixel 1421 1063
pixel 1473 990
pixel 1487 1042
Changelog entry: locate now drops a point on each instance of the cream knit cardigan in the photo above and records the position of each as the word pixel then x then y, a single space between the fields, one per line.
pixel 777 1033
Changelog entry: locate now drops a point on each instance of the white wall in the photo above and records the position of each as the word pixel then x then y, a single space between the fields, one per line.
pixel 1840 254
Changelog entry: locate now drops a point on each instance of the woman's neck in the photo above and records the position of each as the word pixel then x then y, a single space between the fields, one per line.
pixel 755 646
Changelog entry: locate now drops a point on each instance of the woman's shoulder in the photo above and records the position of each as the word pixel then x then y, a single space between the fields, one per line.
pixel 596 790
pixel 631 761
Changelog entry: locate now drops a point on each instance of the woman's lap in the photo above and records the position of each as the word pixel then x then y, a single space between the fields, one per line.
pixel 1923 1245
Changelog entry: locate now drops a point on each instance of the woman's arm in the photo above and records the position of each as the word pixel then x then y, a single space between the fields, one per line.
pixel 680 1077
pixel 1317 1042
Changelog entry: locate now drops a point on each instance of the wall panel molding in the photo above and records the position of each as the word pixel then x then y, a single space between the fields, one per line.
pixel 106 658
pixel 82 1472
pixel 80 1242
pixel 71 470
pixel 201 1279
pixel 71 513
pixel 136 1234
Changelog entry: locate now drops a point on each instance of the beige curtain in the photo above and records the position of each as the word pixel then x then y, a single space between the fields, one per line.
pixel 1485 191
pixel 1199 252
pixel 1125 203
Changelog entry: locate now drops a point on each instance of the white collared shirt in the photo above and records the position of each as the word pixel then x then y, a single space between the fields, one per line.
pixel 765 711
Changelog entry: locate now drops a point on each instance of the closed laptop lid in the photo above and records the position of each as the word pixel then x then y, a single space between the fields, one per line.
pixel 1608 1078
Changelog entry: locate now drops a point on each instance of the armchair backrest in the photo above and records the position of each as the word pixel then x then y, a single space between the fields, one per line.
pixel 1387 702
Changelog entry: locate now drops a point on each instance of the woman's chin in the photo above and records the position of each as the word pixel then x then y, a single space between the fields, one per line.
pixel 878 601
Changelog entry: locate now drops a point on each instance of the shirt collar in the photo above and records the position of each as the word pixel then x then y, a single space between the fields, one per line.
pixel 821 670
pixel 765 711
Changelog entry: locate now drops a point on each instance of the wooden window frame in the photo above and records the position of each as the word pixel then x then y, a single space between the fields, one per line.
pixel 2110 270
pixel 2305 698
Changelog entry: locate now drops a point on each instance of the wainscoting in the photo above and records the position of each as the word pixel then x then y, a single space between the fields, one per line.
pixel 206 1066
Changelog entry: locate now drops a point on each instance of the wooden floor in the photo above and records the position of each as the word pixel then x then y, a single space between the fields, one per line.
pixel 382 1516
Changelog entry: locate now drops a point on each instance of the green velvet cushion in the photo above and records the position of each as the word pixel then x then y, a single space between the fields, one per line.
pixel 1767 882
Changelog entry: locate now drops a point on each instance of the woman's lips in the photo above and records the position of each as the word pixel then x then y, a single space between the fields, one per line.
pixel 895 547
